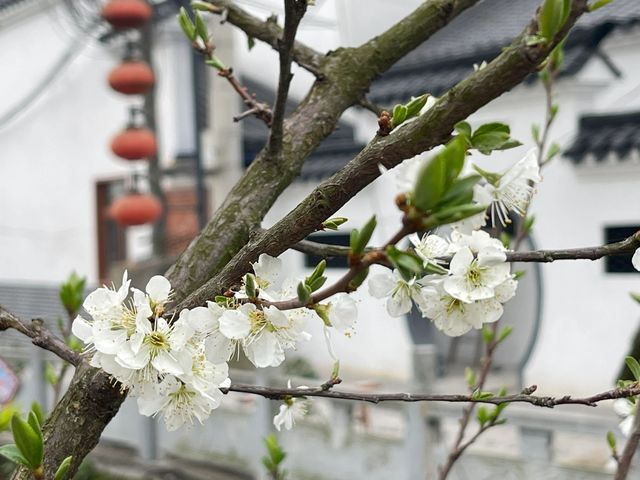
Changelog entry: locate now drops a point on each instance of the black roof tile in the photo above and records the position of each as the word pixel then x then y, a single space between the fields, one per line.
pixel 601 135
pixel 479 34
pixel 331 155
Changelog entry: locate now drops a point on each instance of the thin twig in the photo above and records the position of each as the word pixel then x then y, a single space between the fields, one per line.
pixel 631 447
pixel 275 393
pixel 458 447
pixel 624 247
pixel 294 10
pixel 39 334
pixel 269 32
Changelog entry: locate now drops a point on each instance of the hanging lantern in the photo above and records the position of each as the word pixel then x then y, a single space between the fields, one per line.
pixel 134 143
pixel 131 78
pixel 123 14
pixel 135 209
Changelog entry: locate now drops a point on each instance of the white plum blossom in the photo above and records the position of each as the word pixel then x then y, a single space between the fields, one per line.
pixel 269 273
pixel 343 313
pixel 291 410
pixel 455 317
pixel 264 334
pixel 178 403
pixel 513 190
pixel 627 410
pixel 635 260
pixel 398 292
pixel 430 248
pixel 475 278
pixel 162 361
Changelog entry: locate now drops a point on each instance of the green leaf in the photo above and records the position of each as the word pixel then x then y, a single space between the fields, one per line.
pixel 187 25
pixel 12 453
pixel 504 333
pixel 334 223
pixel 408 264
pixel 28 441
pixel 463 128
pixel 365 235
pixel 276 454
pixel 323 312
pixel 304 293
pixel 416 104
pixel 5 416
pixel 487 334
pixel 251 42
pixel 353 240
pixel 461 191
pixel 482 415
pixel 37 409
pixel 250 285
pixel 492 127
pixel 611 441
pixel 454 153
pixel 488 142
pixel 317 283
pixel 63 468
pixel 552 18
pixel 532 40
pixel 216 63
pixel 535 132
pixel 634 366
pixel 431 184
pixel 317 272
pixel 201 27
pixel 598 4
pixel 554 149
pixel 470 376
pixel 335 372
pixel 358 279
pixel 399 115
pixel 635 296
pixel 453 214
pixel 72 293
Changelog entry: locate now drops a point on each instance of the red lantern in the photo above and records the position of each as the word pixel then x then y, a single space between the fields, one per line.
pixel 123 14
pixel 134 144
pixel 135 209
pixel 131 78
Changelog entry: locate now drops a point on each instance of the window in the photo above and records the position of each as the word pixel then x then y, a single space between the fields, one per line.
pixel 342 239
pixel 619 263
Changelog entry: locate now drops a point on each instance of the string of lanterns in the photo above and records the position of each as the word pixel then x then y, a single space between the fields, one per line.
pixel 136 142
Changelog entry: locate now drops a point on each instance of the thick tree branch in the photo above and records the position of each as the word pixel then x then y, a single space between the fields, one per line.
pixel 269 32
pixel 430 129
pixel 348 74
pixel 294 10
pixel 39 334
pixel 526 397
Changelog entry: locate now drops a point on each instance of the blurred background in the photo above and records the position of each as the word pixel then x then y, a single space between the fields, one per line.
pixel 117 145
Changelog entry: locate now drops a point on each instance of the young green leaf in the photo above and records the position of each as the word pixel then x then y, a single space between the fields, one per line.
pixel 431 183
pixel 365 235
pixel 461 191
pixel 317 272
pixel 487 334
pixel 201 27
pixel 216 63
pixel 598 4
pixel 470 376
pixel 12 453
pixel 250 285
pixel 463 128
pixel 358 279
pixel 611 441
pixel 634 366
pixel 334 223
pixel 37 409
pixel 399 115
pixel 304 293
pixel 552 18
pixel 482 415
pixel 187 25
pixel 28 441
pixel 415 105
pixel 504 333
pixel 63 468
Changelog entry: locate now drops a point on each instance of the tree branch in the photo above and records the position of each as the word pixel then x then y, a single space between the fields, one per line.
pixel 538 401
pixel 630 449
pixel 294 10
pixel 430 129
pixel 39 334
pixel 348 73
pixel 268 32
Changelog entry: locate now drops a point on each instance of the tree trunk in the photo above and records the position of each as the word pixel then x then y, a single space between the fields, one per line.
pixel 77 422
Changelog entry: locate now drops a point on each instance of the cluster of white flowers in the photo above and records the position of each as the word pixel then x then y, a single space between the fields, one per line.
pixel 468 294
pixel 177 366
